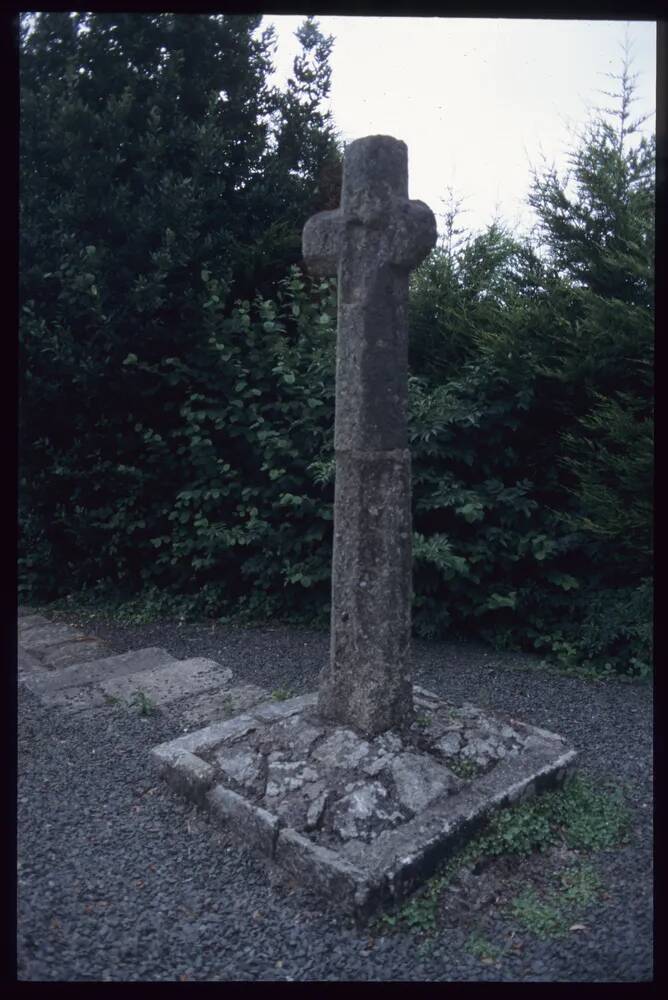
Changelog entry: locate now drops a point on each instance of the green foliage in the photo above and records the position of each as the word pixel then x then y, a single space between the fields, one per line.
pixel 537 916
pixel 142 703
pixel 532 417
pixel 577 816
pixel 419 914
pixel 580 885
pixel 463 768
pixel 210 495
pixel 281 694
pixel 481 948
pixel 549 914
pixel 160 390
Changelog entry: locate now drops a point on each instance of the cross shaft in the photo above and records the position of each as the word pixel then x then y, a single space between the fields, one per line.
pixel 371 242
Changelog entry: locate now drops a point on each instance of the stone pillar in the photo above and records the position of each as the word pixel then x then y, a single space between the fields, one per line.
pixel 371 242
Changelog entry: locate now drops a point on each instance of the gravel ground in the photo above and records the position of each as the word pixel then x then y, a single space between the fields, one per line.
pixel 118 879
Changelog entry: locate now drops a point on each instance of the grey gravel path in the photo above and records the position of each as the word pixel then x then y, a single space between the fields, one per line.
pixel 118 879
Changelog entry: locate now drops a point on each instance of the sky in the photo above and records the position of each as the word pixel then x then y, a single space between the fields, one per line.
pixel 478 101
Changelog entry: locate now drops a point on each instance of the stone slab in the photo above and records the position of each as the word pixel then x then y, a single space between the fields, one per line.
pixel 203 740
pixel 90 672
pixel 25 620
pixel 212 705
pixel 28 664
pixel 169 682
pixel 159 677
pixel 362 820
pixel 42 636
pixel 69 653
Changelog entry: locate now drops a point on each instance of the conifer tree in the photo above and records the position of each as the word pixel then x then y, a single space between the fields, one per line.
pixel 157 187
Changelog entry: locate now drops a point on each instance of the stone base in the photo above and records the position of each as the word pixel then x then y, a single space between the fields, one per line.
pixel 363 822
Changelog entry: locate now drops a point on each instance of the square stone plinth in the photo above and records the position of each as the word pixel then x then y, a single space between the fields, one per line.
pixel 362 821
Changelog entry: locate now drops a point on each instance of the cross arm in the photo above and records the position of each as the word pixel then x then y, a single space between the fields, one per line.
pixel 321 242
pixel 414 234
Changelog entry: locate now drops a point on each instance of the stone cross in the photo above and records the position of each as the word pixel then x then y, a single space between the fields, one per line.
pixel 371 242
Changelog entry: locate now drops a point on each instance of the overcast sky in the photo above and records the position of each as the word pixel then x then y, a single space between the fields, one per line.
pixel 477 101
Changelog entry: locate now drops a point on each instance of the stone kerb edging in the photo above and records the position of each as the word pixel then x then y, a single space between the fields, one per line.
pixel 357 877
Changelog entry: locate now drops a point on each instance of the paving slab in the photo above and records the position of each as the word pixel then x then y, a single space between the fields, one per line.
pixel 212 705
pixel 90 672
pixel 171 682
pixel 153 671
pixel 41 636
pixel 28 664
pixel 68 654
pixel 363 820
pixel 27 620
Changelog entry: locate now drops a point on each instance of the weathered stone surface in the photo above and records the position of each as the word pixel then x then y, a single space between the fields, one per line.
pixel 481 751
pixel 242 767
pixel 96 671
pixel 209 706
pixel 27 665
pixel 363 811
pixel 419 780
pixel 43 636
pixel 450 744
pixel 320 869
pixel 69 653
pixel 298 798
pixel 97 683
pixel 205 740
pixel 315 811
pixel 342 749
pixel 187 774
pixel 368 682
pixel 282 709
pixel 284 776
pixel 425 698
pixel 295 734
pixel 252 824
pixel 26 620
pixel 168 683
pixel 371 242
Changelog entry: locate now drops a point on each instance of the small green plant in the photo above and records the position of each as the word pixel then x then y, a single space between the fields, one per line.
pixel 553 913
pixel 481 948
pixel 228 705
pixel 281 694
pixel 142 703
pixel 591 820
pixel 422 720
pixel 112 699
pixel 538 917
pixel 419 913
pixel 463 768
pixel 580 885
